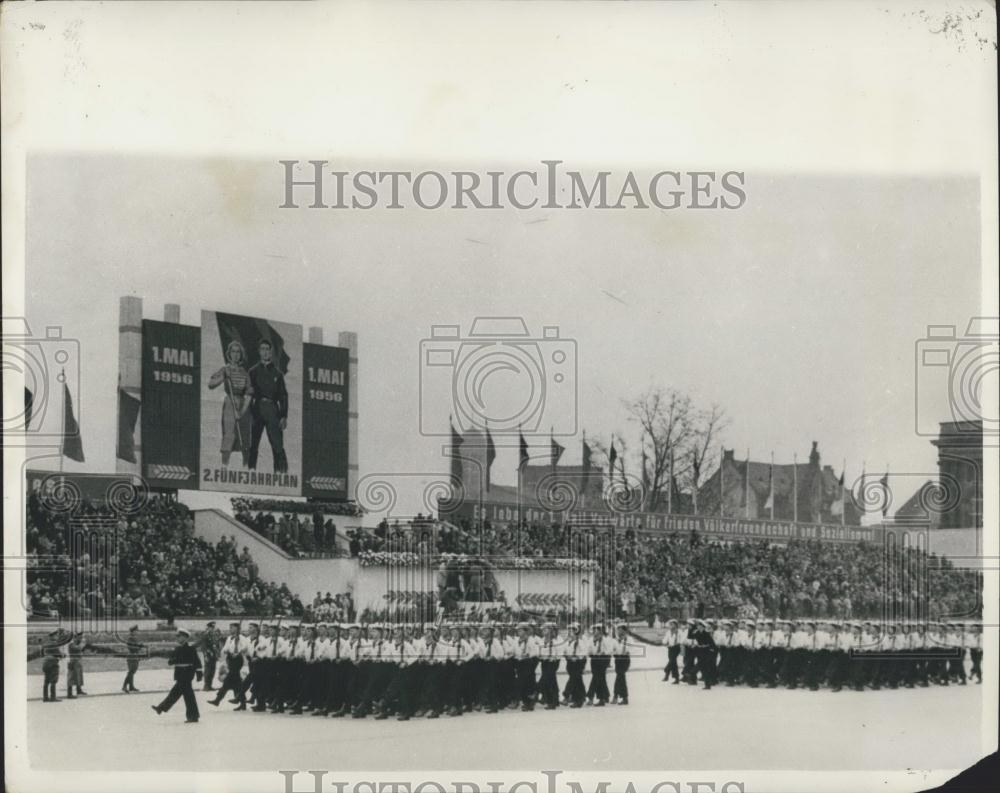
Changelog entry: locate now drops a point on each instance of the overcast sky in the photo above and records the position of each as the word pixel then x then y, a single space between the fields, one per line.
pixel 798 313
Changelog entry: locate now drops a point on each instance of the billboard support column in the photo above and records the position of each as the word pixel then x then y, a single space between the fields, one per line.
pixel 130 368
pixel 315 335
pixel 350 341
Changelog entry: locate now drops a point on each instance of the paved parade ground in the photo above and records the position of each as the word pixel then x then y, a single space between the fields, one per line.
pixel 665 726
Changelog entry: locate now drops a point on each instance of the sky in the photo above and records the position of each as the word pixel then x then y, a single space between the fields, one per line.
pixel 798 313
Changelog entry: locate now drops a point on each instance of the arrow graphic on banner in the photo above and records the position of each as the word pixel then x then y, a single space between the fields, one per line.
pixel 327 483
pixel 170 472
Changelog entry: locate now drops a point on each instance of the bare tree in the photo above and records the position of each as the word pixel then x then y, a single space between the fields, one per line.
pixel 704 446
pixel 665 418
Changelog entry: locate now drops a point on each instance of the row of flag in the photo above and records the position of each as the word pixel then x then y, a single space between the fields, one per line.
pixel 837 507
pixel 71 444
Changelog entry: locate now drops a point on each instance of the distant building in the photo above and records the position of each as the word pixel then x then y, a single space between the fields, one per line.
pixel 955 500
pixel 816 488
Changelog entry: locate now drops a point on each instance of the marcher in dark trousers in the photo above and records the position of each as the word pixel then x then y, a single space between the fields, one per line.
pixel 549 649
pixel 974 640
pixel 136 651
pixel 252 651
pixel 600 660
pixel 674 639
pixel 577 648
pixel 233 652
pixel 623 660
pixel 187 666
pixel 704 651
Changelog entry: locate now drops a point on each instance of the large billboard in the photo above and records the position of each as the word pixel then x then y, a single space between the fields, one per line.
pixel 242 405
pixel 169 406
pixel 251 405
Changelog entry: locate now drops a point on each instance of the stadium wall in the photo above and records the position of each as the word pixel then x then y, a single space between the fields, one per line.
pixel 539 589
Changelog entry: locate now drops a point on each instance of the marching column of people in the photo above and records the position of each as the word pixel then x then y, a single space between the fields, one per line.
pixel 830 654
pixel 334 670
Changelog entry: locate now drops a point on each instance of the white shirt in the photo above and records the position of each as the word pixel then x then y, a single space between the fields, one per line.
pixel 526 647
pixel 236 644
pixel 675 636
pixel 551 648
pixel 578 647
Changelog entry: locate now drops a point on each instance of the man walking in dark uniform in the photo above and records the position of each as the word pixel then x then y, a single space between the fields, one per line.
pixel 187 665
pixel 136 650
pixel 268 408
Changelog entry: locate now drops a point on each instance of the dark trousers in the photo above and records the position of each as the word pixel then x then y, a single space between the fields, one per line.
pixel 233 682
pixel 210 663
pixel 599 679
pixel 575 690
pixel 51 669
pixel 976 656
pixel 182 688
pixel 265 417
pixel 671 669
pixel 131 667
pixel 526 681
pixel 548 686
pixel 622 663
pixel 705 659
pixel 336 686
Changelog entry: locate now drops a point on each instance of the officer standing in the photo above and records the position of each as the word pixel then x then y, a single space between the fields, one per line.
pixel 50 666
pixel 268 408
pixel 74 669
pixel 209 643
pixel 187 665
pixel 136 650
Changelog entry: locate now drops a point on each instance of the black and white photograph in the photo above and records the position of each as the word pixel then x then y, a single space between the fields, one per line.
pixel 497 396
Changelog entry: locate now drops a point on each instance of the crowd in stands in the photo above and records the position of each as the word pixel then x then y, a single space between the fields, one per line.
pixel 300 528
pixel 148 563
pixel 157 566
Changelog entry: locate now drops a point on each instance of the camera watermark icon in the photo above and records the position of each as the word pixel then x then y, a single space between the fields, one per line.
pixel 959 369
pixel 49 364
pixel 498 377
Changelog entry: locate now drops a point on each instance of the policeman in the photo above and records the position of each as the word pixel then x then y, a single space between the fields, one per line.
pixel 703 648
pixel 50 666
pixel 209 643
pixel 233 652
pixel 74 669
pixel 268 408
pixel 673 639
pixel 187 665
pixel 623 660
pixel 974 641
pixel 135 650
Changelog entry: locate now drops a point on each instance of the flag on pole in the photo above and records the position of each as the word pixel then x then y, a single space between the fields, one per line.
pixel 523 449
pixel 556 449
pixel 72 445
pixel 695 473
pixel 29 399
pixel 646 483
pixel 670 483
pixel 128 415
pixel 884 481
pixel 837 507
pixel 612 457
pixel 491 455
pixel 722 484
pixel 795 488
pixel 769 504
pixel 746 489
pixel 456 461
